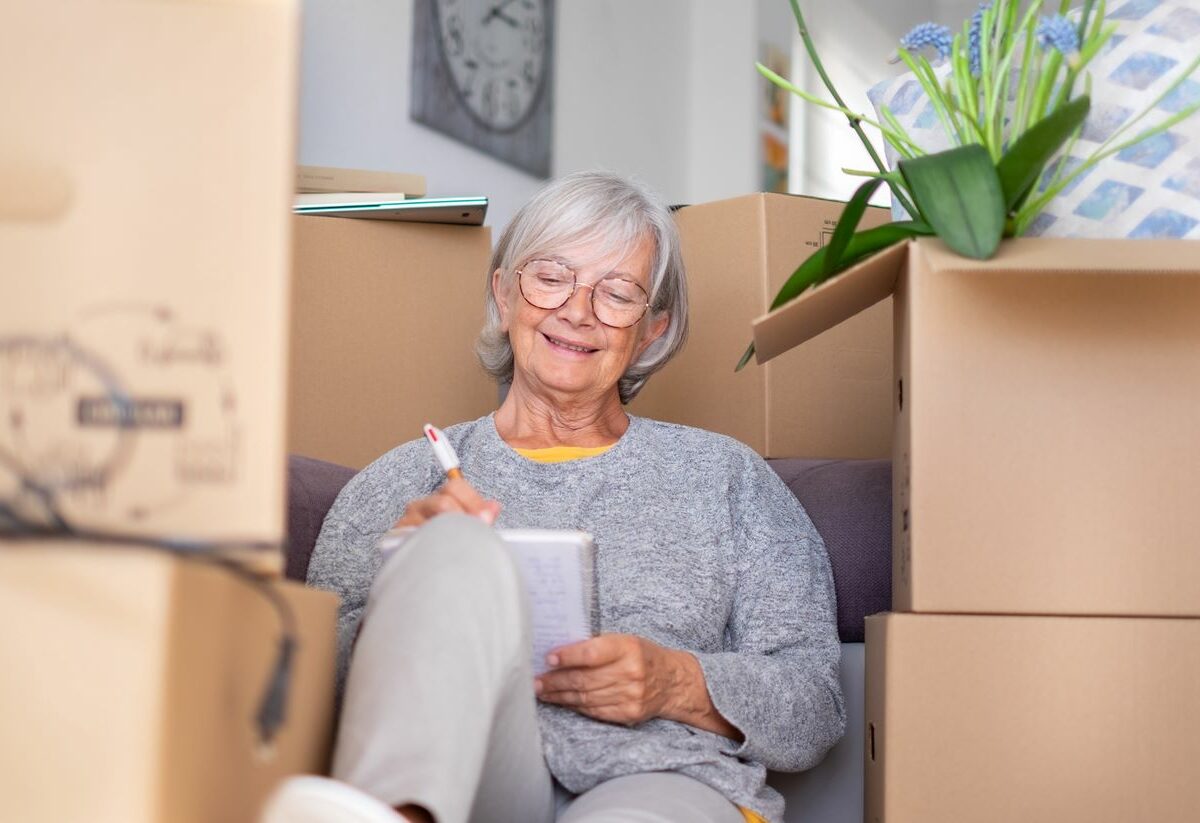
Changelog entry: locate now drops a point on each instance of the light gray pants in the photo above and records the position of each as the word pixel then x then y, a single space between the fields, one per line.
pixel 439 708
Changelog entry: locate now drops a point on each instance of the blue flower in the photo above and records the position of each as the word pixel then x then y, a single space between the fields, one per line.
pixel 928 35
pixel 1059 33
pixel 974 38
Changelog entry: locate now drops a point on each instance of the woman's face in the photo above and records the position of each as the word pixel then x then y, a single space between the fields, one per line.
pixel 547 343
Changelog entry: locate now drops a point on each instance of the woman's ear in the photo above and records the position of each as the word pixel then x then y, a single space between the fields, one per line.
pixel 655 329
pixel 500 297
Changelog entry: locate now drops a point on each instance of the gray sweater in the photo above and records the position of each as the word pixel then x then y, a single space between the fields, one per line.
pixel 700 546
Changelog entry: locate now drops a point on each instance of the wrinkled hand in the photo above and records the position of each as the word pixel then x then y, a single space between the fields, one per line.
pixel 456 495
pixel 618 678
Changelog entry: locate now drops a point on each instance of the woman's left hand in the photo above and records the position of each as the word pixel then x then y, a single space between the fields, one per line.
pixel 618 678
pixel 621 678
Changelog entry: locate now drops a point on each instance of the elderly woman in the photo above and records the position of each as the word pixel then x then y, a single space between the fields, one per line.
pixel 718 653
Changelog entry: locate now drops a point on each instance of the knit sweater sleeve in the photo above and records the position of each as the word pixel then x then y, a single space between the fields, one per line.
pixel 776 679
pixel 345 558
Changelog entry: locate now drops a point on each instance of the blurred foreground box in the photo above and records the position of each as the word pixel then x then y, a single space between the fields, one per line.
pixel 132 680
pixel 1033 719
pixel 829 399
pixel 147 167
pixel 384 320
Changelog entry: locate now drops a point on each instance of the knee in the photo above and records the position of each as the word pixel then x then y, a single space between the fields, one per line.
pixel 457 554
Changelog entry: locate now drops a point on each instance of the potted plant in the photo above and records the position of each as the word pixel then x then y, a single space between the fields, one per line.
pixel 1012 91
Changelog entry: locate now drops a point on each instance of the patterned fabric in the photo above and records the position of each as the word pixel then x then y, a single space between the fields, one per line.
pixel 1151 189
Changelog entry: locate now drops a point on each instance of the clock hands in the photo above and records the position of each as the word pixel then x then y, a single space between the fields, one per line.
pixel 497 11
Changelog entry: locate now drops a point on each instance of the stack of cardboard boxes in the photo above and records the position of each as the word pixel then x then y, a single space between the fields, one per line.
pixel 1043 660
pixel 144 241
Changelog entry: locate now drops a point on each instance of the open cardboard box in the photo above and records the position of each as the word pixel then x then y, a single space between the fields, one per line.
pixel 1046 455
pixel 830 399
pixel 1035 719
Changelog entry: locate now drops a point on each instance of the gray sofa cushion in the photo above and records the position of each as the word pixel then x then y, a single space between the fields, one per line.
pixel 313 485
pixel 849 502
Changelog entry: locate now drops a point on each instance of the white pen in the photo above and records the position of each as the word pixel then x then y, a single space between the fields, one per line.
pixel 395 537
pixel 443 451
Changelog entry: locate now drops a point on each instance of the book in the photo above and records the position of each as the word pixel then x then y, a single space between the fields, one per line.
pixel 557 568
pixel 312 179
pixel 462 211
pixel 346 198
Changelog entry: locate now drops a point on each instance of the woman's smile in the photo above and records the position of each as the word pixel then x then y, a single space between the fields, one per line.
pixel 567 347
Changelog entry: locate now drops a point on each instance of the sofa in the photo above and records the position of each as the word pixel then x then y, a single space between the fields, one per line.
pixel 849 502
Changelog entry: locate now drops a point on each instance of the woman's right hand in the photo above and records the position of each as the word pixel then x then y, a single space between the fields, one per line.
pixel 456 495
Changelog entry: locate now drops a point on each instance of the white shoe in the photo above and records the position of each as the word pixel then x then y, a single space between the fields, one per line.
pixel 321 800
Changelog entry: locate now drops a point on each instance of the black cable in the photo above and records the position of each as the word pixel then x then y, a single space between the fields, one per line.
pixel 272 709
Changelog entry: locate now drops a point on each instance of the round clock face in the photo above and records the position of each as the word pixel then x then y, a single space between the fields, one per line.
pixel 495 50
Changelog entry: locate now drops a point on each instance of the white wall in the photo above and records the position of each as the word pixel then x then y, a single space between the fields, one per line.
pixel 622 96
pixel 855 39
pixel 722 125
pixel 356 60
pixel 661 90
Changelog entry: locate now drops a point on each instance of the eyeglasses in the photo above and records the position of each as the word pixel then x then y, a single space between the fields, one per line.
pixel 616 302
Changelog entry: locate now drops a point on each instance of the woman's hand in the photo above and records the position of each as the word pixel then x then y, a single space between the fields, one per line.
pixel 456 495
pixel 621 678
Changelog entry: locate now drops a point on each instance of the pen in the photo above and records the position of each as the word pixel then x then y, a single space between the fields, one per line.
pixel 443 451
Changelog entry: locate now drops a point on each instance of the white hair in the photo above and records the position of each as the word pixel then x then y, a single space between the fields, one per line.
pixel 613 215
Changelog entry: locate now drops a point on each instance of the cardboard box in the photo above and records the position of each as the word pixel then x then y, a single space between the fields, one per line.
pixel 131 682
pixel 385 316
pixel 1036 719
pixel 830 399
pixel 1046 457
pixel 147 180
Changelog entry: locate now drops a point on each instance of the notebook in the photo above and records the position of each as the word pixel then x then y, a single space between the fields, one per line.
pixel 557 567
pixel 466 211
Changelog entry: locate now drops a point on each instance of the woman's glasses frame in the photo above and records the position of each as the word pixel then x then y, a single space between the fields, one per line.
pixel 575 286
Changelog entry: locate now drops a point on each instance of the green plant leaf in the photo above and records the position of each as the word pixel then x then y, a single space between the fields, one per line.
pixel 1025 159
pixel 860 246
pixel 958 192
pixel 846 225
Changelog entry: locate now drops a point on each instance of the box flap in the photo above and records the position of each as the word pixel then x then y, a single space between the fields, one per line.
pixel 1070 254
pixel 823 307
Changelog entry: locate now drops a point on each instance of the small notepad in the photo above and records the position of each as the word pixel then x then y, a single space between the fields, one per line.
pixel 557 567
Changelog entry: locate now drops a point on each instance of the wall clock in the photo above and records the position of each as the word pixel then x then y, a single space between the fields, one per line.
pixel 483 73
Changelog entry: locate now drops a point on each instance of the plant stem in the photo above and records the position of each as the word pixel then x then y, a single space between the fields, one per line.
pixel 921 70
pixel 905 145
pixel 1028 43
pixel 817 101
pixel 809 47
pixel 986 25
pixel 1045 83
pixel 1030 47
pixel 1083 18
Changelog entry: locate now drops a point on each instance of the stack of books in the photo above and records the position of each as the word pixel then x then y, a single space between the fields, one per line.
pixel 327 185
pixel 379 195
